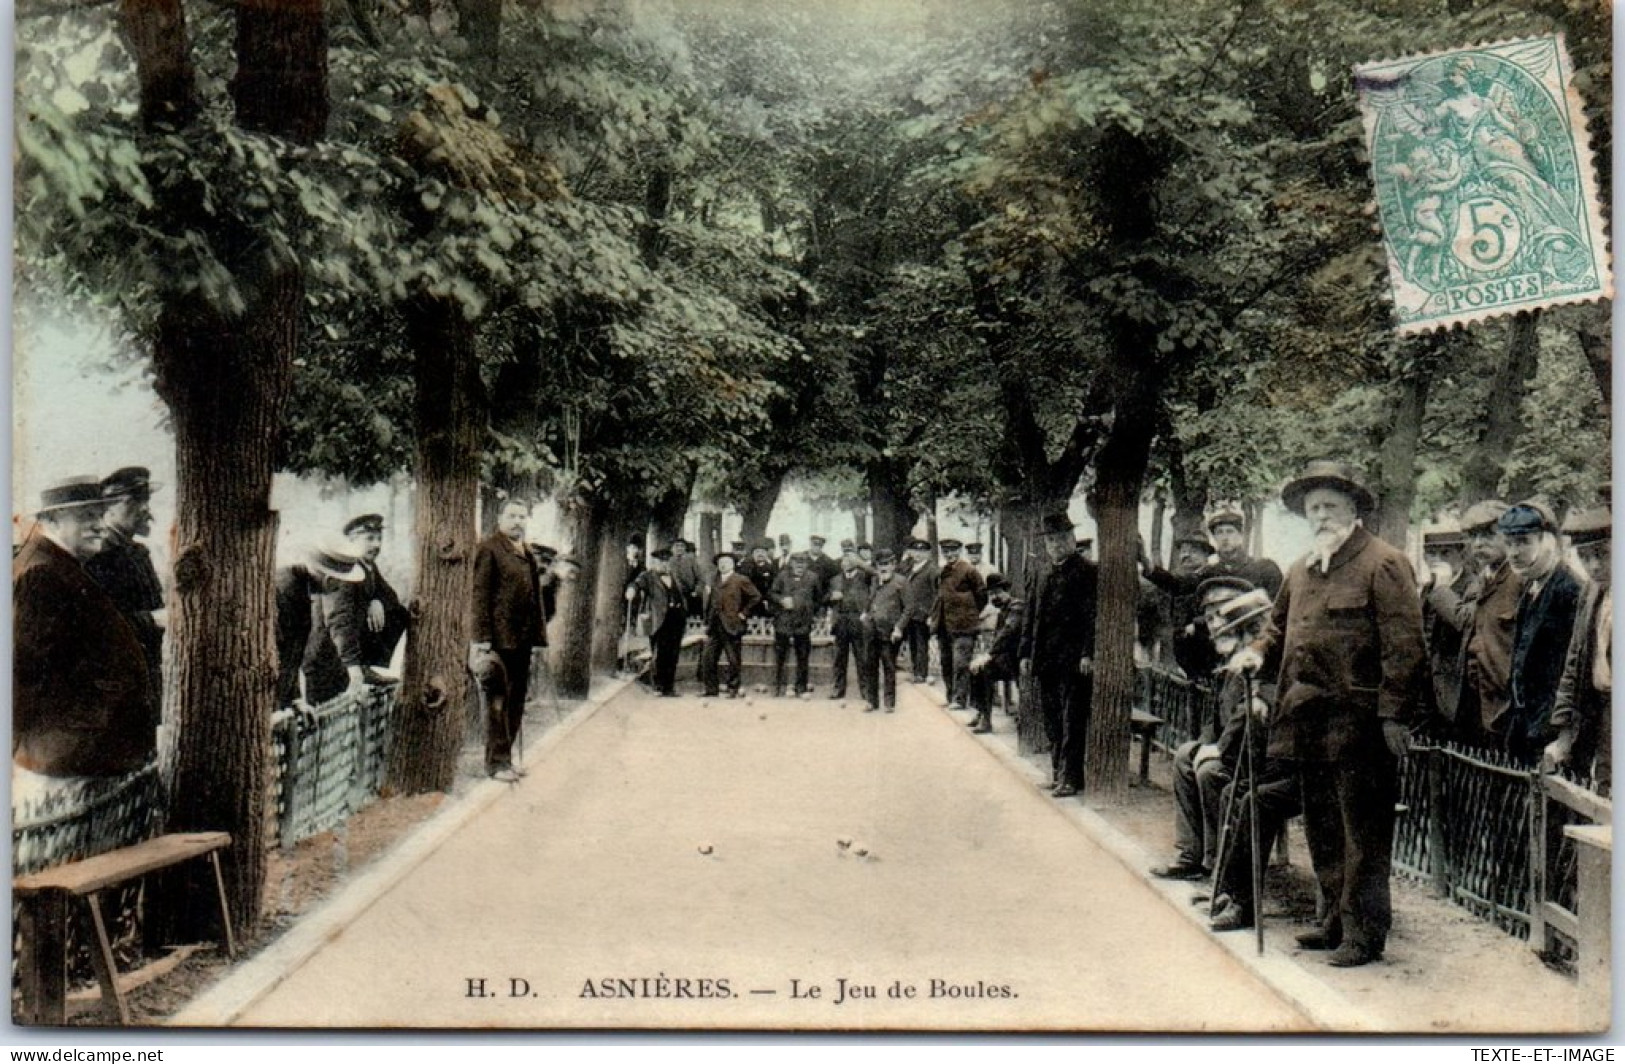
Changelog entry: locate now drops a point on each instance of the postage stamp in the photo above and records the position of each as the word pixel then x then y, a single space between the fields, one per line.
pixel 1484 181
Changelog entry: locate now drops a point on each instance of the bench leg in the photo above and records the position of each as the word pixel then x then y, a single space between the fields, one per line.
pixel 43 966
pixel 226 935
pixel 106 971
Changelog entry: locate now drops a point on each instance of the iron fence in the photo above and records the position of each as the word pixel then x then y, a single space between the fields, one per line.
pixel 329 761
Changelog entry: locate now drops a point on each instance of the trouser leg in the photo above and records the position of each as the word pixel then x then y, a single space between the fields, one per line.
pixel 733 646
pixel 843 646
pixel 708 661
pixel 919 650
pixel 1366 791
pixel 886 652
pixel 1211 777
pixel 964 649
pixel 803 647
pixel 1054 695
pixel 868 674
pixel 1077 728
pixel 1187 806
pixel 781 649
pixel 945 651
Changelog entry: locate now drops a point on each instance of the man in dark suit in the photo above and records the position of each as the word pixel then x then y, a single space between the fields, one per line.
pixel 124 569
pixel 1581 716
pixel 684 568
pixel 797 597
pixel 1483 614
pixel 957 616
pixel 380 619
pixel 507 624
pixel 667 604
pixel 1540 635
pixel 733 599
pixel 761 570
pixel 1229 531
pixel 1058 649
pixel 922 576
pixel 82 702
pixel 1345 641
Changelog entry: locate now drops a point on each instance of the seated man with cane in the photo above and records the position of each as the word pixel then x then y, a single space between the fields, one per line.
pixel 1263 784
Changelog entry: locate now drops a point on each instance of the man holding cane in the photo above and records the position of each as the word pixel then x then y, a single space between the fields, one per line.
pixel 1345 638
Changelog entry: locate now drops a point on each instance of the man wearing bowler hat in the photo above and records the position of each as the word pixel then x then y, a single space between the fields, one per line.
pixel 1581 714
pixel 1058 649
pixel 124 569
pixel 1345 641
pixel 506 613
pixel 81 695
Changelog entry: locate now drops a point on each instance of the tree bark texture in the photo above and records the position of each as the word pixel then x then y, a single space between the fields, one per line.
pixel 1504 410
pixel 609 610
pixel 1397 477
pixel 757 509
pixel 156 33
pixel 572 662
pixel 709 540
pixel 894 516
pixel 281 81
pixel 449 412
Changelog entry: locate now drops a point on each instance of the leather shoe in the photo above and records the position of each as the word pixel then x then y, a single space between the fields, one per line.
pixel 981 727
pixel 1320 938
pixel 1065 790
pixel 1352 955
pixel 1231 918
pixel 1180 870
pixel 505 774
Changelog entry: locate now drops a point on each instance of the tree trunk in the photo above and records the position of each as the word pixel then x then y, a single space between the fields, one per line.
pixel 1397 478
pixel 481 25
pixel 894 517
pixel 710 535
pixel 609 609
pixel 757 509
pixel 573 657
pixel 1159 515
pixel 1503 419
pixel 670 512
pixel 449 413
pixel 1594 335
pixel 1119 480
pixel 225 379
pixel 860 523
pixel 1190 499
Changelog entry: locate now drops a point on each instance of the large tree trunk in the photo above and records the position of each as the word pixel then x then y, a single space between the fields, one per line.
pixel 757 509
pixel 226 379
pixel 1397 477
pixel 1503 419
pixel 1594 333
pixel 449 413
pixel 573 658
pixel 894 517
pixel 670 511
pixel 1119 480
pixel 1190 500
pixel 709 539
pixel 609 609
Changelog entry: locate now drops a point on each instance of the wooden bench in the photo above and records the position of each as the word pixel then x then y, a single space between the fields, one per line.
pixel 1143 727
pixel 44 896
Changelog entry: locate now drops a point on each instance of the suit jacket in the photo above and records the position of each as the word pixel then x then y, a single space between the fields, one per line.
pixel 1060 628
pixel 81 692
pixel 803 591
pixel 887 604
pixel 125 571
pixel 961 594
pixel 1004 655
pixel 762 575
pixel 1485 613
pixel 1347 647
pixel 1445 647
pixel 733 599
pixel 659 600
pixel 853 585
pixel 921 596
pixel 377 647
pixel 506 609
pixel 686 572
pixel 1581 707
pixel 1540 643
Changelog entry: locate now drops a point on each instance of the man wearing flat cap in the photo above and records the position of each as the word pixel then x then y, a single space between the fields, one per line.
pixel 1540 634
pixel 1581 716
pixel 1444 555
pixel 973 554
pixel 823 566
pixel 1228 529
pixel 733 599
pixel 1345 640
pixel 81 696
pixel 124 569
pixel 1058 650
pixel 883 623
pixel 918 603
pixel 956 615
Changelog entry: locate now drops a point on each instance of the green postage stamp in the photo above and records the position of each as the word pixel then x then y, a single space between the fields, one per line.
pixel 1485 183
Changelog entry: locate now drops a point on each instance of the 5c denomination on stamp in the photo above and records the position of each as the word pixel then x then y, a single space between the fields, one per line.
pixel 1484 182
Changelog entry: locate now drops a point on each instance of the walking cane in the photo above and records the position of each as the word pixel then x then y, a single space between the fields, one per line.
pixel 1253 827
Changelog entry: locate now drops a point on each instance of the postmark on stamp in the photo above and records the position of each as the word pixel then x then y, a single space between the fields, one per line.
pixel 1484 180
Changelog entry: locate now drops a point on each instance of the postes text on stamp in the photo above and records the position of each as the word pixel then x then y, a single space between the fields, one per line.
pixel 1484 182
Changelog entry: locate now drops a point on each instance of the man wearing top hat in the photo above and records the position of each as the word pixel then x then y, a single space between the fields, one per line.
pixel 304 648
pixel 1345 640
pixel 732 601
pixel 957 617
pixel 81 696
pixel 1483 614
pixel 667 604
pixel 506 615
pixel 1581 716
pixel 1228 529
pixel 1058 649
pixel 1541 631
pixel 124 569
pixel 377 616
pixel 921 597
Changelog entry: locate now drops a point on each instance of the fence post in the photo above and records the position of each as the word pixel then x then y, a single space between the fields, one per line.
pixel 1438 855
pixel 1537 863
pixel 289 780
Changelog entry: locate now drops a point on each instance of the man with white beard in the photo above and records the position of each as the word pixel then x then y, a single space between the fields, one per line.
pixel 1345 639
pixel 1540 635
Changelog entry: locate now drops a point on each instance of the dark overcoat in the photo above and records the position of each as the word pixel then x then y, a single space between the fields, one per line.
pixel 506 607
pixel 1540 643
pixel 961 595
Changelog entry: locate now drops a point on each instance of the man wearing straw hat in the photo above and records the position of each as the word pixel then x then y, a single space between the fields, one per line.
pixel 1345 639
pixel 82 701
pixel 304 646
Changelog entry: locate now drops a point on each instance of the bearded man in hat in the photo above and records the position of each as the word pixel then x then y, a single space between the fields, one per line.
pixel 922 578
pixel 1482 614
pixel 1058 649
pixel 1541 631
pixel 1228 529
pixel 81 696
pixel 1582 714
pixel 956 615
pixel 1201 770
pixel 733 599
pixel 1345 639
pixel 760 570
pixel 123 567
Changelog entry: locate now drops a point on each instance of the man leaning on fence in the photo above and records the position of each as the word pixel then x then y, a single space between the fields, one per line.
pixel 82 697
pixel 1345 639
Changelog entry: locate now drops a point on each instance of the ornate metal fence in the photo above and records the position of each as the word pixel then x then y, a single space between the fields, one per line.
pixel 1175 699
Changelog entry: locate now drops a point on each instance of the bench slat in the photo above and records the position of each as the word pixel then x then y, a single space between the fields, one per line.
pixel 108 869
